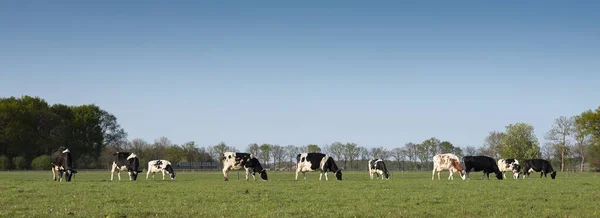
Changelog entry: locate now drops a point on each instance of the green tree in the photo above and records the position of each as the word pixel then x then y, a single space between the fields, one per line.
pixel 312 148
pixel 253 149
pixel 520 142
pixel 336 150
pixel 588 125
pixel 399 154
pixel 43 162
pixel 278 154
pixel 446 147
pixel 20 163
pixel 4 162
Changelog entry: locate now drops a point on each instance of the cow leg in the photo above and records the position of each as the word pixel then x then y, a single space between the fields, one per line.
pixel 504 175
pixel 297 171
pixel 163 171
pixel 326 179
pixel 248 172
pixel 119 174
pixel 53 174
pixel 60 175
pixel 129 173
pixel 304 175
pixel 450 177
pixel 432 174
pixel 321 175
pixel 225 172
pixel 148 173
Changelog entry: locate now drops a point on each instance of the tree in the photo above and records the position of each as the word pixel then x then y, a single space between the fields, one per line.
pixel 411 152
pixel 292 152
pixel 559 135
pixel 492 144
pixel 336 150
pixel 253 149
pixel 582 142
pixel 520 142
pixel 278 154
pixel 399 155
pixel 313 148
pixel 458 152
pixel 446 147
pixel 379 152
pixel 351 153
pixel 588 125
pixel 265 152
pixel 470 151
pixel 217 151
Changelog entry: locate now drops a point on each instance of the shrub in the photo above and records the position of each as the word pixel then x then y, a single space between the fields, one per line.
pixel 20 163
pixel 43 162
pixel 4 162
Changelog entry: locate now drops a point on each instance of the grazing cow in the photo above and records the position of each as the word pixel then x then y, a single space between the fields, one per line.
pixel 125 161
pixel 481 163
pixel 377 166
pixel 509 165
pixel 448 162
pixel 308 162
pixel 62 162
pixel 538 165
pixel 237 161
pixel 158 166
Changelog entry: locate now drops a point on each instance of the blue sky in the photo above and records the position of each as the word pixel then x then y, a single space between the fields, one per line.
pixel 375 73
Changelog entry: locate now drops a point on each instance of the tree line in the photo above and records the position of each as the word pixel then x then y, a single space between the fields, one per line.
pixel 30 129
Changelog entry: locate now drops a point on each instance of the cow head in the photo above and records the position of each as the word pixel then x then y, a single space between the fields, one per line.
pixel 69 173
pixel 463 174
pixel 553 175
pixel 169 169
pixel 499 175
pixel 338 175
pixel 263 175
pixel 516 169
pixel 386 174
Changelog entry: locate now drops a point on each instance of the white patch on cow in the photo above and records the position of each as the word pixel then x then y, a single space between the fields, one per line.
pixel 512 167
pixel 132 155
pixel 66 151
pixel 152 168
pixel 446 161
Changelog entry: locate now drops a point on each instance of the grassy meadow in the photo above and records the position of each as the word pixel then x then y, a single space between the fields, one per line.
pixel 205 194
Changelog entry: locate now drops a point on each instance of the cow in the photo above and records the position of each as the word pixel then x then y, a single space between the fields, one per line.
pixel 377 166
pixel 238 161
pixel 160 166
pixel 481 163
pixel 62 162
pixel 309 162
pixel 509 165
pixel 448 162
pixel 125 161
pixel 538 165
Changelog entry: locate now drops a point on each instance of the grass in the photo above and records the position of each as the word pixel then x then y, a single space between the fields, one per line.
pixel 205 194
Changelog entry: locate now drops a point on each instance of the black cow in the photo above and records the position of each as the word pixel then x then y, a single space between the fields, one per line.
pixel 538 165
pixel 237 161
pixel 308 162
pixel 125 161
pixel 482 163
pixel 377 166
pixel 62 162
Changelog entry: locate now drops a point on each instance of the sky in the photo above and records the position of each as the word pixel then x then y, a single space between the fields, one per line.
pixel 376 73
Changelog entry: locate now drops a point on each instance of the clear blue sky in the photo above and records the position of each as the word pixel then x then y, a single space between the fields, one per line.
pixel 376 73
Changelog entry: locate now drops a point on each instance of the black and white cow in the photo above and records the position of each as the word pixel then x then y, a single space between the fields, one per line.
pixel 377 167
pixel 509 165
pixel 308 162
pixel 125 161
pixel 238 161
pixel 538 165
pixel 481 163
pixel 62 162
pixel 160 166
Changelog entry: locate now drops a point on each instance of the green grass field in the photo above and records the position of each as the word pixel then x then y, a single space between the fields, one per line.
pixel 205 194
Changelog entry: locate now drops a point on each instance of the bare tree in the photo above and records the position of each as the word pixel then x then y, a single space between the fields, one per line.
pixel 562 129
pixel 470 151
pixel 399 155
pixel 335 150
pixel 379 152
pixel 278 154
pixel 253 149
pixel 292 152
pixel 492 144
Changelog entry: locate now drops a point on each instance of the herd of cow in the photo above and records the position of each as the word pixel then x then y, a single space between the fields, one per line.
pixel 62 162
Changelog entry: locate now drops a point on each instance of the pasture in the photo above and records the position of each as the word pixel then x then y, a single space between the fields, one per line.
pixel 205 194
